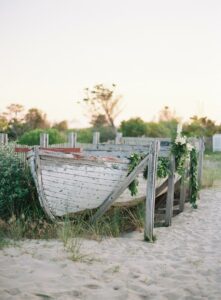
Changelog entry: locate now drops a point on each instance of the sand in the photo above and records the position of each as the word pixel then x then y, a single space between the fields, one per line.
pixel 184 263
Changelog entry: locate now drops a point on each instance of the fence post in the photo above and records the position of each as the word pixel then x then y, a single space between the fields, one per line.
pixel 118 138
pixel 3 138
pixel 183 188
pixel 44 140
pixel 200 161
pixel 96 138
pixel 72 139
pixel 170 193
pixel 150 194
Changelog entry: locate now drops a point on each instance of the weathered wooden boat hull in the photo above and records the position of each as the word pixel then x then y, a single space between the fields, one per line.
pixel 70 183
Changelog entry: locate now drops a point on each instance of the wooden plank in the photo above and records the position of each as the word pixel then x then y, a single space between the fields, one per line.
pixel 183 188
pixel 118 138
pixel 72 139
pixel 170 193
pixel 150 193
pixel 113 196
pixel 44 139
pixel 3 139
pixel 96 138
pixel 99 178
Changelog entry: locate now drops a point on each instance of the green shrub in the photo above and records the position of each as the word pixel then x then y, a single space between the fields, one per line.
pixel 17 190
pixel 32 137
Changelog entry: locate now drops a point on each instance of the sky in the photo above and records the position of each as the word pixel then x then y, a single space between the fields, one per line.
pixel 158 53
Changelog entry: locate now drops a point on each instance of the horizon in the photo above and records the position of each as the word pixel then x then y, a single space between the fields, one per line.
pixel 158 54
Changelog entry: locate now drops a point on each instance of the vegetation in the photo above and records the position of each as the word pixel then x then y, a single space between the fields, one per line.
pixel 17 190
pixel 32 137
pixel 102 105
pixel 211 170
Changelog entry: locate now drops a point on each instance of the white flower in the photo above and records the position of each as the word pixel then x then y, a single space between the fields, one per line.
pixel 189 147
pixel 180 140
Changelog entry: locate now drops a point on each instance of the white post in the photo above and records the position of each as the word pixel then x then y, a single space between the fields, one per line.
pixel 44 140
pixel 3 138
pixel 96 138
pixel 72 139
pixel 118 138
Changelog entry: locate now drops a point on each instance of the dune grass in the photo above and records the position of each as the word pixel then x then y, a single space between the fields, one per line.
pixel 211 170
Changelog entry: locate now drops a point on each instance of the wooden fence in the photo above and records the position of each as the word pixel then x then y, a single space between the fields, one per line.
pixel 123 147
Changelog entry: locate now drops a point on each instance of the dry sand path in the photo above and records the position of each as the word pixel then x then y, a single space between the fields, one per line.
pixel 184 263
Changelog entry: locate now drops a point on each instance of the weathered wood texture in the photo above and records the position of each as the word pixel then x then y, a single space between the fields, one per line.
pixel 150 192
pixel 44 139
pixel 183 187
pixel 170 193
pixel 3 139
pixel 69 183
pixel 117 192
pixel 72 139
pixel 118 138
pixel 96 138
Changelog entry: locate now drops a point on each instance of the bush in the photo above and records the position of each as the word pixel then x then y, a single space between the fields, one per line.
pixel 17 191
pixel 32 137
pixel 134 127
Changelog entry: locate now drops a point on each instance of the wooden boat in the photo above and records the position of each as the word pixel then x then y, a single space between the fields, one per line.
pixel 70 183
pixel 73 182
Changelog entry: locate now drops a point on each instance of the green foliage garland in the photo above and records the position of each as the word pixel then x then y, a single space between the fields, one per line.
pixel 162 170
pixel 193 178
pixel 134 161
pixel 182 151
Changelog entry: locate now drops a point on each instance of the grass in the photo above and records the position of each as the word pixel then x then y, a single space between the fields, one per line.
pixel 211 170
pixel 71 231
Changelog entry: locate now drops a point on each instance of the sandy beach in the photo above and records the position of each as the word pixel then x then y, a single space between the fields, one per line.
pixel 184 263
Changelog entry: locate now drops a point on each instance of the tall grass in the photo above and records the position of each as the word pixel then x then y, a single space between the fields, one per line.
pixel 211 170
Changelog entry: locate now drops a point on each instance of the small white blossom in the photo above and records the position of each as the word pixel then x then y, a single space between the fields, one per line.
pixel 180 140
pixel 189 147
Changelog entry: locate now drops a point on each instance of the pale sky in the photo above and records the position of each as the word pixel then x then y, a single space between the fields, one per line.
pixel 158 52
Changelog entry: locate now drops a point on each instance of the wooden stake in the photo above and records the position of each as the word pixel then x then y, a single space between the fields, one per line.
pixel 150 195
pixel 96 138
pixel 72 139
pixel 170 193
pixel 118 139
pixel 44 140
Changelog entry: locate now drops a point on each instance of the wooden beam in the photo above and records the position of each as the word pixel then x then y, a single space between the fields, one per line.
pixel 96 138
pixel 72 139
pixel 118 138
pixel 170 193
pixel 44 139
pixel 115 194
pixel 150 195
pixel 3 138
pixel 183 188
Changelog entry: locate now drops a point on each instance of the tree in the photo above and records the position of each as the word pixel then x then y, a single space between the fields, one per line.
pixel 166 114
pixel 200 126
pixel 35 118
pixel 61 126
pixel 134 127
pixel 3 123
pixel 15 118
pixel 101 101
